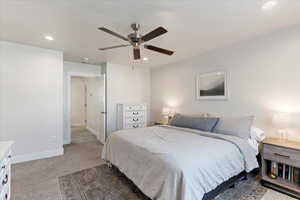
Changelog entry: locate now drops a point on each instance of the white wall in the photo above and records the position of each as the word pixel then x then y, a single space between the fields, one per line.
pixel 264 78
pixel 78 100
pixel 125 85
pixel 1 83
pixel 31 100
pixel 71 68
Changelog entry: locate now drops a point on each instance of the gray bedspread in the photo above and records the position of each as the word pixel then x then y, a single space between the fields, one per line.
pixel 170 163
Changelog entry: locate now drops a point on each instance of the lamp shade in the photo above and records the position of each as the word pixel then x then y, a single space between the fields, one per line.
pixel 166 111
pixel 282 120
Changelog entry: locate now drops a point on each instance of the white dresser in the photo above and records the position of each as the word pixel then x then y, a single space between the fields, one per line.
pixel 131 116
pixel 5 160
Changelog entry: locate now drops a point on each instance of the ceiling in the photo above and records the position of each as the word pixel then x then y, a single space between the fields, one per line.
pixel 195 26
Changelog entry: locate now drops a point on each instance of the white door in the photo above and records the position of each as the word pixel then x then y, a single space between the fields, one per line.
pixel 96 106
pixel 78 103
pixel 102 124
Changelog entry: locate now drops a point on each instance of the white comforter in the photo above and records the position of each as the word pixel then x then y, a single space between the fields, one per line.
pixel 169 163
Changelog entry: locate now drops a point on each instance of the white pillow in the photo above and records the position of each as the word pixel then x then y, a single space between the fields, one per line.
pixel 257 134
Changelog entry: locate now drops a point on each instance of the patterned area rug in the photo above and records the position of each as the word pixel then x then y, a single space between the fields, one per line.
pixel 103 183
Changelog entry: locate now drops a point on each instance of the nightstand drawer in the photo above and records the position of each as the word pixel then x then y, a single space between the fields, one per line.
pixel 281 155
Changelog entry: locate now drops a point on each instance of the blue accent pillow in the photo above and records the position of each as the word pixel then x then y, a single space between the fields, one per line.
pixel 236 126
pixel 199 123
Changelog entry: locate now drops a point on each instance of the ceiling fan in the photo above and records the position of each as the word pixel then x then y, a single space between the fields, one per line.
pixel 135 40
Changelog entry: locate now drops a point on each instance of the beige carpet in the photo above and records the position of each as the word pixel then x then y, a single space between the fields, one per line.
pixel 38 180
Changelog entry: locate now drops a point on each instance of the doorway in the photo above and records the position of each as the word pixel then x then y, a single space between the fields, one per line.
pixel 78 102
pixel 86 105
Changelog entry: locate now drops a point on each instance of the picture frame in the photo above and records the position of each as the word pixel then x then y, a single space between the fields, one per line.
pixel 212 86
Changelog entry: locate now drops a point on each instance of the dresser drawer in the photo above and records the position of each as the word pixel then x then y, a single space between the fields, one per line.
pixel 4 180
pixel 131 120
pixel 135 107
pixel 5 163
pixel 131 116
pixel 134 113
pixel 5 193
pixel 281 155
pixel 135 125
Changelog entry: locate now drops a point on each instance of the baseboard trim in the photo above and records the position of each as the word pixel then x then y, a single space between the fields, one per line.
pixel 77 125
pixel 93 131
pixel 67 141
pixel 36 156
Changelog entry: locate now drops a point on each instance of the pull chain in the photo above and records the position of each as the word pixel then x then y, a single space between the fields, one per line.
pixel 132 65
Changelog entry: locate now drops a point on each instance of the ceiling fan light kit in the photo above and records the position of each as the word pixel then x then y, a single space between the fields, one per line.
pixel 136 40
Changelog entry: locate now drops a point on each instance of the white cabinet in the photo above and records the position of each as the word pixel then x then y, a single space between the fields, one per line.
pixel 5 160
pixel 131 116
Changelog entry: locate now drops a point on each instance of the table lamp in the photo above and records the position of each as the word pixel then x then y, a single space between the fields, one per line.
pixel 167 113
pixel 282 121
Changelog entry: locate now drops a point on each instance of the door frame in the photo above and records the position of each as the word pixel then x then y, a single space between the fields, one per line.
pixel 67 135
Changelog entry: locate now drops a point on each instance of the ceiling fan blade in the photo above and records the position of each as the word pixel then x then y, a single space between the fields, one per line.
pixel 113 47
pixel 153 34
pixel 136 53
pixel 113 33
pixel 160 50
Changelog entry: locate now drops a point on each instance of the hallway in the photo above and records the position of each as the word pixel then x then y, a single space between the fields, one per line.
pixel 38 180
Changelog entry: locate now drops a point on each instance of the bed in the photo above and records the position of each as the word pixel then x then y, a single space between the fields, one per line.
pixel 174 163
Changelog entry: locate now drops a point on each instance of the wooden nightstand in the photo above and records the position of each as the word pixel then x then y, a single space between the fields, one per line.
pixel 282 159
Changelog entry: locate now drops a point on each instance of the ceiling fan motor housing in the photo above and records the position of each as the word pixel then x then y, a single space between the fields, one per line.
pixel 135 38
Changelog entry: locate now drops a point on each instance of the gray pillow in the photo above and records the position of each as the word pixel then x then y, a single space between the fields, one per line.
pixel 200 123
pixel 236 126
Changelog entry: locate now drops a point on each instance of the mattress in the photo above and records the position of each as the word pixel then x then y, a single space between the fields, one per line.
pixel 171 163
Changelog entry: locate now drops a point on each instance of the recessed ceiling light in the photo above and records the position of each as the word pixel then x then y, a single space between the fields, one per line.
pixel 145 59
pixel 268 5
pixel 49 37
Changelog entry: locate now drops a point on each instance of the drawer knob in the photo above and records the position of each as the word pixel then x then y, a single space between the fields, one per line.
pixel 6 196
pixel 285 156
pixel 9 156
pixel 5 180
pixel 3 167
